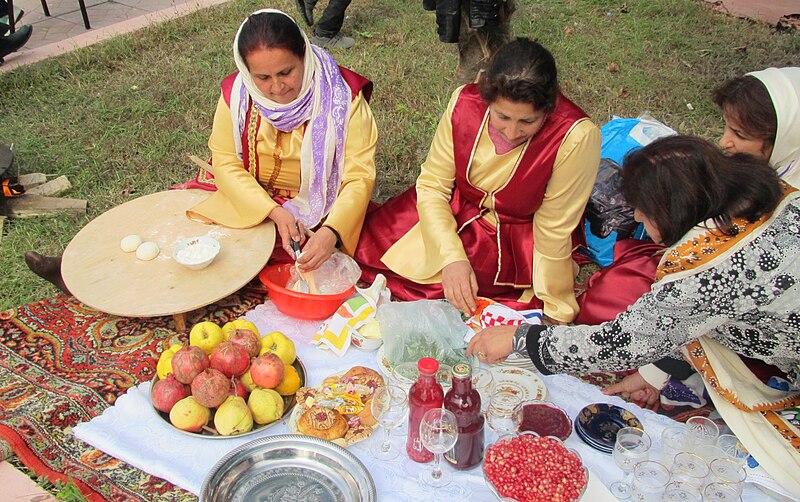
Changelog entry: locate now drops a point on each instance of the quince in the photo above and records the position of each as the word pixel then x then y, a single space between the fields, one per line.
pixel 189 415
pixel 290 382
pixel 233 417
pixel 230 327
pixel 247 381
pixel 164 365
pixel 280 345
pixel 206 335
pixel 266 405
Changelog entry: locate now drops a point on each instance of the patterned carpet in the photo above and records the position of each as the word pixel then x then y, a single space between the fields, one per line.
pixel 62 363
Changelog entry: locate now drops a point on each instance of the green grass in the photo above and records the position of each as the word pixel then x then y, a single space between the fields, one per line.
pixel 120 118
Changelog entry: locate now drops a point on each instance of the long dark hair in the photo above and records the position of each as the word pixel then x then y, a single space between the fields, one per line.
pixel 522 71
pixel 682 181
pixel 271 30
pixel 747 101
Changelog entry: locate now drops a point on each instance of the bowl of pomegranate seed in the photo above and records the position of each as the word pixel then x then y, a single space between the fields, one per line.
pixel 545 419
pixel 533 468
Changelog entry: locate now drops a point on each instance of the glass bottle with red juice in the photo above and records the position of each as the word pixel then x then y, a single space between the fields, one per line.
pixel 426 393
pixel 465 403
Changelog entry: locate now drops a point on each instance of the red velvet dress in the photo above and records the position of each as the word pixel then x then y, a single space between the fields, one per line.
pixel 502 255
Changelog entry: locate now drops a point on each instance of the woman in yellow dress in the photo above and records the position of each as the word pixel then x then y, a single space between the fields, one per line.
pixel 293 141
pixel 503 188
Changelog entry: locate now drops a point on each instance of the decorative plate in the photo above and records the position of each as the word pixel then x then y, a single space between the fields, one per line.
pixel 597 424
pixel 209 432
pixel 289 467
pixel 524 383
pixel 291 424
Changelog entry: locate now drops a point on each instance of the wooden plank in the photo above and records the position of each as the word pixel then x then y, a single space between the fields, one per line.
pixel 32 180
pixel 28 206
pixel 52 187
pixel 202 164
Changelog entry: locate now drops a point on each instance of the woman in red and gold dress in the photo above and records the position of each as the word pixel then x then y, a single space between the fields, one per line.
pixel 503 188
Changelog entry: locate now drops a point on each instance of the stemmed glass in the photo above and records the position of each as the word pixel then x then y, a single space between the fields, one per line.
pixel 704 429
pixel 504 413
pixel 649 480
pixel 631 447
pixel 389 405
pixel 438 432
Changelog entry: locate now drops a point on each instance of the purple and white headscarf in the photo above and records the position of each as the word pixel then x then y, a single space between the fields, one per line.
pixel 324 102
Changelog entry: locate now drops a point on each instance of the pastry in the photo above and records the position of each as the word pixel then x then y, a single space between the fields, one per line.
pixel 361 375
pixel 365 416
pixel 302 396
pixel 322 423
pixel 357 433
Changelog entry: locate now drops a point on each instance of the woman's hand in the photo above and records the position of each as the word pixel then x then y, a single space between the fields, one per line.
pixel 492 345
pixel 288 228
pixel 317 250
pixel 460 286
pixel 636 389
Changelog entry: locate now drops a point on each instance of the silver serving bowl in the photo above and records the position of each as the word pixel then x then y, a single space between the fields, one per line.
pixel 289 467
pixel 509 499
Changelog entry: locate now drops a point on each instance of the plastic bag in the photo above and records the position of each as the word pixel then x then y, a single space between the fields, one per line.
pixel 338 274
pixel 620 136
pixel 423 328
pixel 607 211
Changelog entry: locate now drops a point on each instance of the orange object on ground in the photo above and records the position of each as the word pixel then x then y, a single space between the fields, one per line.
pixel 296 304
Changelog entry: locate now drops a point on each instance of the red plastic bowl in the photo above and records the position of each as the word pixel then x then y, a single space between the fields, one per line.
pixel 295 304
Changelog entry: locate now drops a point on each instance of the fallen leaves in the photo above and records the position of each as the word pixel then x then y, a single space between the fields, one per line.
pixel 613 67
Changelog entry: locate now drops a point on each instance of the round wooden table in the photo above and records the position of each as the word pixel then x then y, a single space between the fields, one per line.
pixel 101 275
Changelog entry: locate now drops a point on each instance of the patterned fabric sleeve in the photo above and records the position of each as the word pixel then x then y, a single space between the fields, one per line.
pixel 654 327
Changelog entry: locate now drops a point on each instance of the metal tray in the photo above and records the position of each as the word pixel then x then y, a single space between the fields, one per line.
pixel 289 403
pixel 289 467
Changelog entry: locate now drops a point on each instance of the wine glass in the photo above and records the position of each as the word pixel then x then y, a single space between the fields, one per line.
pixel 389 405
pixel 721 492
pixel 631 447
pixel 678 491
pixel 483 382
pixel 734 448
pixel 673 441
pixel 504 413
pixel 690 469
pixel 704 429
pixel 438 432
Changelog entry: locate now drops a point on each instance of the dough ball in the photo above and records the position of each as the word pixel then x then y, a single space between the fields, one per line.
pixel 130 243
pixel 147 251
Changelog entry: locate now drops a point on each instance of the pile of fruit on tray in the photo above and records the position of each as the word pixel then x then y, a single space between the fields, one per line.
pixel 228 381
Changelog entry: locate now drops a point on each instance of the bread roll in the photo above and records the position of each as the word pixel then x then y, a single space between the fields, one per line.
pixel 322 423
pixel 357 433
pixel 361 375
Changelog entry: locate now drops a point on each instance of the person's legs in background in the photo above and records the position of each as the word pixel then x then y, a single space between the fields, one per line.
pixel 326 32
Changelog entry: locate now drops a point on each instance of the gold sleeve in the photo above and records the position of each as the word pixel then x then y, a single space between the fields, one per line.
pixel 240 201
pixel 358 179
pixel 565 198
pixel 434 190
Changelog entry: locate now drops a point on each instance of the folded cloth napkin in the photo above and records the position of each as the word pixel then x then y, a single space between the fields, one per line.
pixel 490 313
pixel 337 332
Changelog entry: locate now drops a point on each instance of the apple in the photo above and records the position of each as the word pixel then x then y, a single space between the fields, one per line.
pixel 206 335
pixel 267 370
pixel 279 344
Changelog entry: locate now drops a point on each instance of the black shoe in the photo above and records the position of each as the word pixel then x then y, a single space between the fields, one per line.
pixel 4 21
pixel 15 41
pixel 306 8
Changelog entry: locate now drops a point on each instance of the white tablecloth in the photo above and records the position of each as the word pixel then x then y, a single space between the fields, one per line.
pixel 133 432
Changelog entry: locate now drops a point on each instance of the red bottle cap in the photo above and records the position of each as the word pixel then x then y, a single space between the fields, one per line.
pixel 428 366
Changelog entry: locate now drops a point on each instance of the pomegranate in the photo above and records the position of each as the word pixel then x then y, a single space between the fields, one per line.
pixel 230 358
pixel 210 388
pixel 188 362
pixel 238 388
pixel 534 468
pixel 267 370
pixel 246 339
pixel 167 392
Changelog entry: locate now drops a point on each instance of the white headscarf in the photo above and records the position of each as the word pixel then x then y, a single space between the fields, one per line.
pixel 324 103
pixel 783 85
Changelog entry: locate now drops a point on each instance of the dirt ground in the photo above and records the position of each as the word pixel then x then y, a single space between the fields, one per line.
pixel 773 12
